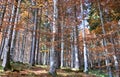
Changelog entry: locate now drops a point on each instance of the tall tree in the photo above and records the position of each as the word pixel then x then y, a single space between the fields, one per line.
pixel 62 43
pixel 104 40
pixel 52 69
pixel 6 57
pixel 14 33
pixel 33 44
pixel 4 29
pixel 76 41
pixel 84 41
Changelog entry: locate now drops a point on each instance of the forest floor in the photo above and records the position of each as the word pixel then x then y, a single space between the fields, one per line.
pixel 41 71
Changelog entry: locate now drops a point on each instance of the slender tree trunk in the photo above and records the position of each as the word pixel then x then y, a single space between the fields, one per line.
pixel 33 46
pixel 6 57
pixel 3 30
pixel 76 42
pixel 76 50
pixel 72 51
pixel 2 43
pixel 104 40
pixel 115 57
pixel 37 50
pixel 62 45
pixel 99 62
pixel 13 40
pixel 38 39
pixel 23 46
pixel 18 45
pixel 84 41
pixel 52 69
pixel 44 57
pixel 3 14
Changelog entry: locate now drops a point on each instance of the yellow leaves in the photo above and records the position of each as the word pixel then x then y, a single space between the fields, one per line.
pixel 24 14
pixel 95 15
pixel 50 1
pixel 40 5
pixel 25 4
pixel 44 50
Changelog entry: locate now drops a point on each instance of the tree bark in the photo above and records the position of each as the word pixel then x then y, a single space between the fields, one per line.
pixel 104 41
pixel 52 69
pixel 3 14
pixel 76 50
pixel 14 33
pixel 84 41
pixel 62 45
pixel 6 57
pixel 72 51
pixel 33 44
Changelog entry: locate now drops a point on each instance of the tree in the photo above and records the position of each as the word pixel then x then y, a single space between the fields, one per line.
pixel 52 52
pixel 4 30
pixel 6 57
pixel 84 41
pixel 14 33
pixel 33 44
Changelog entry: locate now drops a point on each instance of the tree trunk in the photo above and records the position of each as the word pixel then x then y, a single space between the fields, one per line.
pixel 116 64
pixel 76 49
pixel 2 43
pixel 104 41
pixel 72 51
pixel 38 37
pixel 6 57
pixel 37 50
pixel 33 44
pixel 84 41
pixel 13 40
pixel 62 46
pixel 52 69
pixel 3 14
pixel 4 29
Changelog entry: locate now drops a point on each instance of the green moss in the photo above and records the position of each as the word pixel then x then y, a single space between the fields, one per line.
pixel 1 69
pixel 98 73
pixel 19 66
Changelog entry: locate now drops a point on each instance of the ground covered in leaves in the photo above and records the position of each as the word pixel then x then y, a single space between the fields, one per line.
pixel 24 70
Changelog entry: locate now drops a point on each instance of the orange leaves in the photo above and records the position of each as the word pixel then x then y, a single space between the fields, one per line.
pixel 24 14
pixel 108 26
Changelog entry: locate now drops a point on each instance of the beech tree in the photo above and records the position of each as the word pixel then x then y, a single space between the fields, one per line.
pixel 6 53
pixel 52 52
pixel 33 46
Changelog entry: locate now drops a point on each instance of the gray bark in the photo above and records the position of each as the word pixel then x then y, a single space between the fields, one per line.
pixel 6 57
pixel 33 44
pixel 62 46
pixel 38 39
pixel 84 41
pixel 3 30
pixel 2 44
pixel 76 50
pixel 37 51
pixel 3 14
pixel 13 40
pixel 116 63
pixel 104 41
pixel 44 58
pixel 52 69
pixel 72 51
